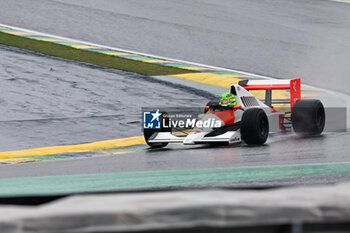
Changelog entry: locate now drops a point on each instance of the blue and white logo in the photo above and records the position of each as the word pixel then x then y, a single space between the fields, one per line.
pixel 151 120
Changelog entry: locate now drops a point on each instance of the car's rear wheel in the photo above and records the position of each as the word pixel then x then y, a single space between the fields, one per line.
pixel 308 117
pixel 254 126
pixel 148 133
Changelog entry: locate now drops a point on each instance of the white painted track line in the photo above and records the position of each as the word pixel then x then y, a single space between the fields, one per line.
pixel 344 97
pixel 144 54
pixel 342 1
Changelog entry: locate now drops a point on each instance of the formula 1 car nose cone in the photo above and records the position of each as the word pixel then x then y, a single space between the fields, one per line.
pixel 193 136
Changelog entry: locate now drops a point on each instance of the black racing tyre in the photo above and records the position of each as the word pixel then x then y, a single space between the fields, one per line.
pixel 308 117
pixel 211 103
pixel 147 133
pixel 254 126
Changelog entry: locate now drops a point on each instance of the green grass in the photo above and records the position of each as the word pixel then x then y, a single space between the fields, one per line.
pixel 95 58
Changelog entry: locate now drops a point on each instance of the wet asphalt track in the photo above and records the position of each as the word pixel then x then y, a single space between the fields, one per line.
pixel 279 150
pixel 46 101
pixel 279 38
pixel 308 39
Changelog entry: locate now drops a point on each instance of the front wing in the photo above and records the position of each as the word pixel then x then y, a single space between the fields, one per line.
pixel 196 138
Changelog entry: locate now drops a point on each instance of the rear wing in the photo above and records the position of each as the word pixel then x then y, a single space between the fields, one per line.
pixel 288 84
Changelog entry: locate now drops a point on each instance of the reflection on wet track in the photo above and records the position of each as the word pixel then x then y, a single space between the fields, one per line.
pixel 285 159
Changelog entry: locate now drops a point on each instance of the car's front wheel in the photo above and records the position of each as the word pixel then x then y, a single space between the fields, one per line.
pixel 148 133
pixel 254 126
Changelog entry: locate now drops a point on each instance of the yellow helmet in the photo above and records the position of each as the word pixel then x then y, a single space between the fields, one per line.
pixel 228 99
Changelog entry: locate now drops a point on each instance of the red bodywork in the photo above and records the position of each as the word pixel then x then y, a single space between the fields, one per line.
pixel 228 117
pixel 293 87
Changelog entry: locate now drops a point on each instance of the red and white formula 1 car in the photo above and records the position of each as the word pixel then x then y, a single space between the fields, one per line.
pixel 251 119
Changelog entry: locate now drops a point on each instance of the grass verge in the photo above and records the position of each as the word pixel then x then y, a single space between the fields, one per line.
pixel 95 58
